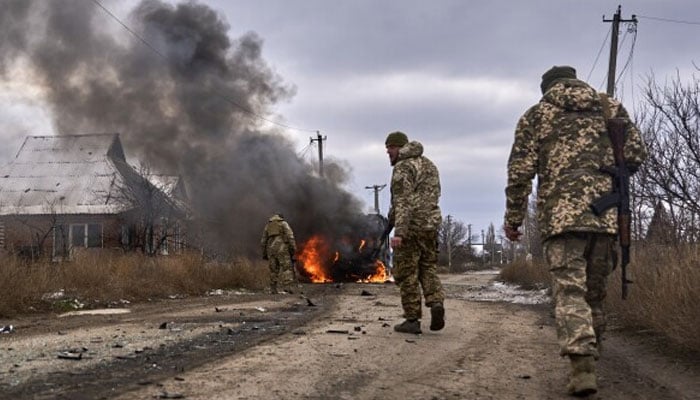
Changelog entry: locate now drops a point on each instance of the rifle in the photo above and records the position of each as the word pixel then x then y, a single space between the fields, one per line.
pixel 382 238
pixel 620 195
pixel 294 264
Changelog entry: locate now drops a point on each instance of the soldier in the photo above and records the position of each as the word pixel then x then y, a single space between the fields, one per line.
pixel 278 246
pixel 415 214
pixel 563 141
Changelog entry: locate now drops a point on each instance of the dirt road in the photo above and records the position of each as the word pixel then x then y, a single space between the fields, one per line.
pixel 336 343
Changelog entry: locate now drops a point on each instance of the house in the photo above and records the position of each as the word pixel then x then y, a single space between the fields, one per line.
pixel 70 192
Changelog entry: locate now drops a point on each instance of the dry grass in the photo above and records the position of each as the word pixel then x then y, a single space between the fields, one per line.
pixel 529 275
pixel 103 278
pixel 664 297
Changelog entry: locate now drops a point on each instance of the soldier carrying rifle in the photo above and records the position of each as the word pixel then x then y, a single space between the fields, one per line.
pixel 563 140
pixel 279 247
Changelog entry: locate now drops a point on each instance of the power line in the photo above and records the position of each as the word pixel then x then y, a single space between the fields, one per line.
pixel 302 153
pixel 631 54
pixel 220 95
pixel 675 21
pixel 598 56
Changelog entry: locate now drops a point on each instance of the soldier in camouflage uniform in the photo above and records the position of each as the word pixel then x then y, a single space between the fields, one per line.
pixel 278 246
pixel 563 141
pixel 415 214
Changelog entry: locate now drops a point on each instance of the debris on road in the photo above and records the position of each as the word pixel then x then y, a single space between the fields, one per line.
pixel 166 395
pixel 71 355
pixel 7 329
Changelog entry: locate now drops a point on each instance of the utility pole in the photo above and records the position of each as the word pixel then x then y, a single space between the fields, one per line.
pixel 617 18
pixel 449 243
pixel 483 248
pixel 376 189
pixel 320 140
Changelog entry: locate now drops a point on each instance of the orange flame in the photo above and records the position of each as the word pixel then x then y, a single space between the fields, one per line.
pixel 311 259
pixel 337 257
pixel 362 245
pixel 380 275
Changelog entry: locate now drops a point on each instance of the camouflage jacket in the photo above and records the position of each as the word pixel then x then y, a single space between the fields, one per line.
pixel 415 192
pixel 277 231
pixel 563 141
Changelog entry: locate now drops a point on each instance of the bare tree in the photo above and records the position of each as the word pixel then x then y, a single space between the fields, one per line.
pixel 490 245
pixel 670 123
pixel 451 237
pixel 152 219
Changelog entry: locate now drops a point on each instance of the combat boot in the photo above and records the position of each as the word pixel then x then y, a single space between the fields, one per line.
pixel 409 326
pixel 437 316
pixel 583 380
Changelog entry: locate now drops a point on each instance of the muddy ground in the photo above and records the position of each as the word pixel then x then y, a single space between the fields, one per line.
pixel 333 342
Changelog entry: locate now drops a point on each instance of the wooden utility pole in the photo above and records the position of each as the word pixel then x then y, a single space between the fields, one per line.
pixel 449 243
pixel 376 189
pixel 320 140
pixel 617 18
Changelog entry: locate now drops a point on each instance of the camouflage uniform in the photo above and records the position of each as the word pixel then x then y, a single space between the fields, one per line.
pixel 563 141
pixel 415 214
pixel 278 246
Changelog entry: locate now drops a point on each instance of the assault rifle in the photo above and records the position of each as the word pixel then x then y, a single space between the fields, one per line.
pixel 293 258
pixel 620 195
pixel 382 239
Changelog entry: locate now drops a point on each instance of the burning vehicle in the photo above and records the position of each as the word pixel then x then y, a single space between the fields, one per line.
pixel 363 255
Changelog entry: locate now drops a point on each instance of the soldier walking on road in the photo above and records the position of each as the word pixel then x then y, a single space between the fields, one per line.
pixel 278 247
pixel 563 141
pixel 415 214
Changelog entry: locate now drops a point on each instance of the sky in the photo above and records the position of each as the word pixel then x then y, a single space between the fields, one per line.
pixel 453 75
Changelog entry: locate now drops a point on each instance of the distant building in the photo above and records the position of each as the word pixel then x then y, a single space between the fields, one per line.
pixel 65 193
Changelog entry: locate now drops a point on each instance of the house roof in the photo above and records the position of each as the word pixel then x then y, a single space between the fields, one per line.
pixel 67 174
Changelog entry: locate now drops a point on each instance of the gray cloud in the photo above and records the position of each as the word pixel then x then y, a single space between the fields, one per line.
pixel 344 57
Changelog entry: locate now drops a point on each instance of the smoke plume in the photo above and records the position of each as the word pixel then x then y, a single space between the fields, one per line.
pixel 187 101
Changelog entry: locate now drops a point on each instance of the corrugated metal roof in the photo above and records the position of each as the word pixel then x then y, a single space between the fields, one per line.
pixel 71 174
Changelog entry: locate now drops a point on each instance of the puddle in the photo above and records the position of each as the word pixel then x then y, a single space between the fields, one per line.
pixel 499 291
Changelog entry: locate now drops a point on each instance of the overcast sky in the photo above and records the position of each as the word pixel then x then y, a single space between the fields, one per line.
pixel 454 75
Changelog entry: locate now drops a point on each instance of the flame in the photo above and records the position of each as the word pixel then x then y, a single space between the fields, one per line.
pixel 311 260
pixel 318 261
pixel 380 275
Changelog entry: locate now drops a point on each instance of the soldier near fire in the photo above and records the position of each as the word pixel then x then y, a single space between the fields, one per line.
pixel 415 215
pixel 278 247
pixel 563 141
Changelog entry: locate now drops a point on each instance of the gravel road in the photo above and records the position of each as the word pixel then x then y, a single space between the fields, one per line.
pixel 333 342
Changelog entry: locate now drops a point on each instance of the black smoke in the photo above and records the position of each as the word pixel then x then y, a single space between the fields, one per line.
pixel 191 100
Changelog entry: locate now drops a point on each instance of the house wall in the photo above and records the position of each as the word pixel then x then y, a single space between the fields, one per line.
pixel 34 236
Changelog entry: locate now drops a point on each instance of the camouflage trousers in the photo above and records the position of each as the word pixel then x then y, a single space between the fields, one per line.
pixel 580 264
pixel 280 262
pixel 415 267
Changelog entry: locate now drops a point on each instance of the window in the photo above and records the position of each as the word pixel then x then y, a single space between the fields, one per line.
pixel 86 235
pixel 60 241
pixel 94 235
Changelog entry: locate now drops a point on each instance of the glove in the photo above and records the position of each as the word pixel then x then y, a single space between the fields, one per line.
pixel 512 233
